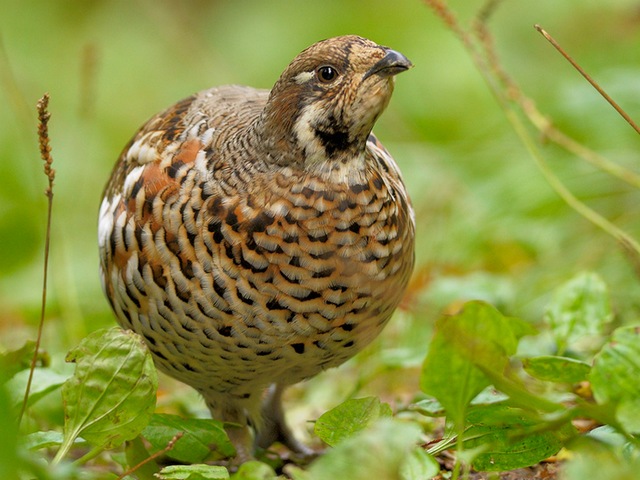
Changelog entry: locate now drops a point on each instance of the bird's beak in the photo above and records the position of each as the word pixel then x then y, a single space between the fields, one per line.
pixel 391 64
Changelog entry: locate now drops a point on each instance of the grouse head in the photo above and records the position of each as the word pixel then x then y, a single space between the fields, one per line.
pixel 325 103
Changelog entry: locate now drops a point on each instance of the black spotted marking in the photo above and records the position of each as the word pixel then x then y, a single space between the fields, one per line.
pixel 346 204
pixel 377 182
pixel 307 192
pixel 188 367
pixel 172 170
pixel 290 279
pixel 354 227
pixel 187 269
pixel 293 238
pixel 232 220
pixel 219 289
pixel 298 348
pixel 347 327
pixel 149 339
pixel 322 238
pixel 192 238
pixel 250 266
pixel 244 298
pixel 273 304
pixel 327 272
pixel 136 187
pixel 289 219
pixel 259 223
pixel 349 344
pixel 358 188
pixel 225 331
pixel 264 353
pixel 158 276
pixel 172 244
pixel 294 261
pixel 215 208
pixel 215 227
pixel 138 234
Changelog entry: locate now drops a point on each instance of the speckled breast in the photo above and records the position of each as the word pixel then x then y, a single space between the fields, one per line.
pixel 271 282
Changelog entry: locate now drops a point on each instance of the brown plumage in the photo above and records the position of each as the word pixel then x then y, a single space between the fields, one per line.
pixel 256 238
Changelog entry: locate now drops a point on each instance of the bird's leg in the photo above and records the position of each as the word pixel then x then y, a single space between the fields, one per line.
pixel 242 440
pixel 274 427
pixel 236 425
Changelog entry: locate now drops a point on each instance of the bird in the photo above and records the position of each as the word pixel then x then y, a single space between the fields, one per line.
pixel 255 238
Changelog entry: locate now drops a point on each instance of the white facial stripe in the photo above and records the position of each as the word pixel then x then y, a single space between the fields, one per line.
pixel 303 77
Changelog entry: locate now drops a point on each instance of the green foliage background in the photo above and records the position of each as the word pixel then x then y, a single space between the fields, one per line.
pixel 489 227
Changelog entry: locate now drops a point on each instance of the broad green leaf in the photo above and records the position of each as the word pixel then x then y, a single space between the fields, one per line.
pixel 193 472
pixel 350 417
pixel 200 437
pixel 431 407
pixel 556 369
pixel 378 452
pixel 579 313
pixel 615 376
pixel 13 361
pixel 477 338
pixel 112 394
pixel 254 470
pixel 44 382
pixel 48 439
pixel 511 438
pixel 419 465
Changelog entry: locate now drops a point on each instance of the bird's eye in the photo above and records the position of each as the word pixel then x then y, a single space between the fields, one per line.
pixel 327 74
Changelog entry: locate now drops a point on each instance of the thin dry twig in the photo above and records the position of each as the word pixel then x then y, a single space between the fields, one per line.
pixel 45 153
pixel 587 77
pixel 508 94
pixel 169 446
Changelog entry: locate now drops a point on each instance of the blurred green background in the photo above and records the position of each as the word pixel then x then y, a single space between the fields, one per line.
pixel 488 224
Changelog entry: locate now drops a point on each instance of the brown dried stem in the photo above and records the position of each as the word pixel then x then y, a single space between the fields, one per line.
pixel 169 446
pixel 587 77
pixel 508 94
pixel 45 153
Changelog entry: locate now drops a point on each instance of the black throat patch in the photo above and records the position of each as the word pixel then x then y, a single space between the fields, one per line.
pixel 333 141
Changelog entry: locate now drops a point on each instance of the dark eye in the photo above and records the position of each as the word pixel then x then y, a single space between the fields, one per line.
pixel 327 74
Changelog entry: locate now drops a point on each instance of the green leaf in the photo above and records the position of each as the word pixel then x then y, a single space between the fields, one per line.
pixel 591 459
pixel 112 394
pixel 419 465
pixel 193 472
pixel 477 338
pixel 350 417
pixel 615 376
pixel 430 407
pixel 44 382
pixel 200 437
pixel 556 369
pixel 376 452
pixel 48 439
pixel 579 313
pixel 511 438
pixel 13 361
pixel 254 470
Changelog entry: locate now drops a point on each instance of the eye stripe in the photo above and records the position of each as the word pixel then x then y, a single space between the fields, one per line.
pixel 303 77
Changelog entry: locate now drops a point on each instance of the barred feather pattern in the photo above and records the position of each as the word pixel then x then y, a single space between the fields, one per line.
pixel 241 268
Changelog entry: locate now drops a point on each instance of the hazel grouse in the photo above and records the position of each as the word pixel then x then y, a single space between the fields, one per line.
pixel 255 238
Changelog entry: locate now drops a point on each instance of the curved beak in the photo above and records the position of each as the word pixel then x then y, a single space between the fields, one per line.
pixel 391 64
